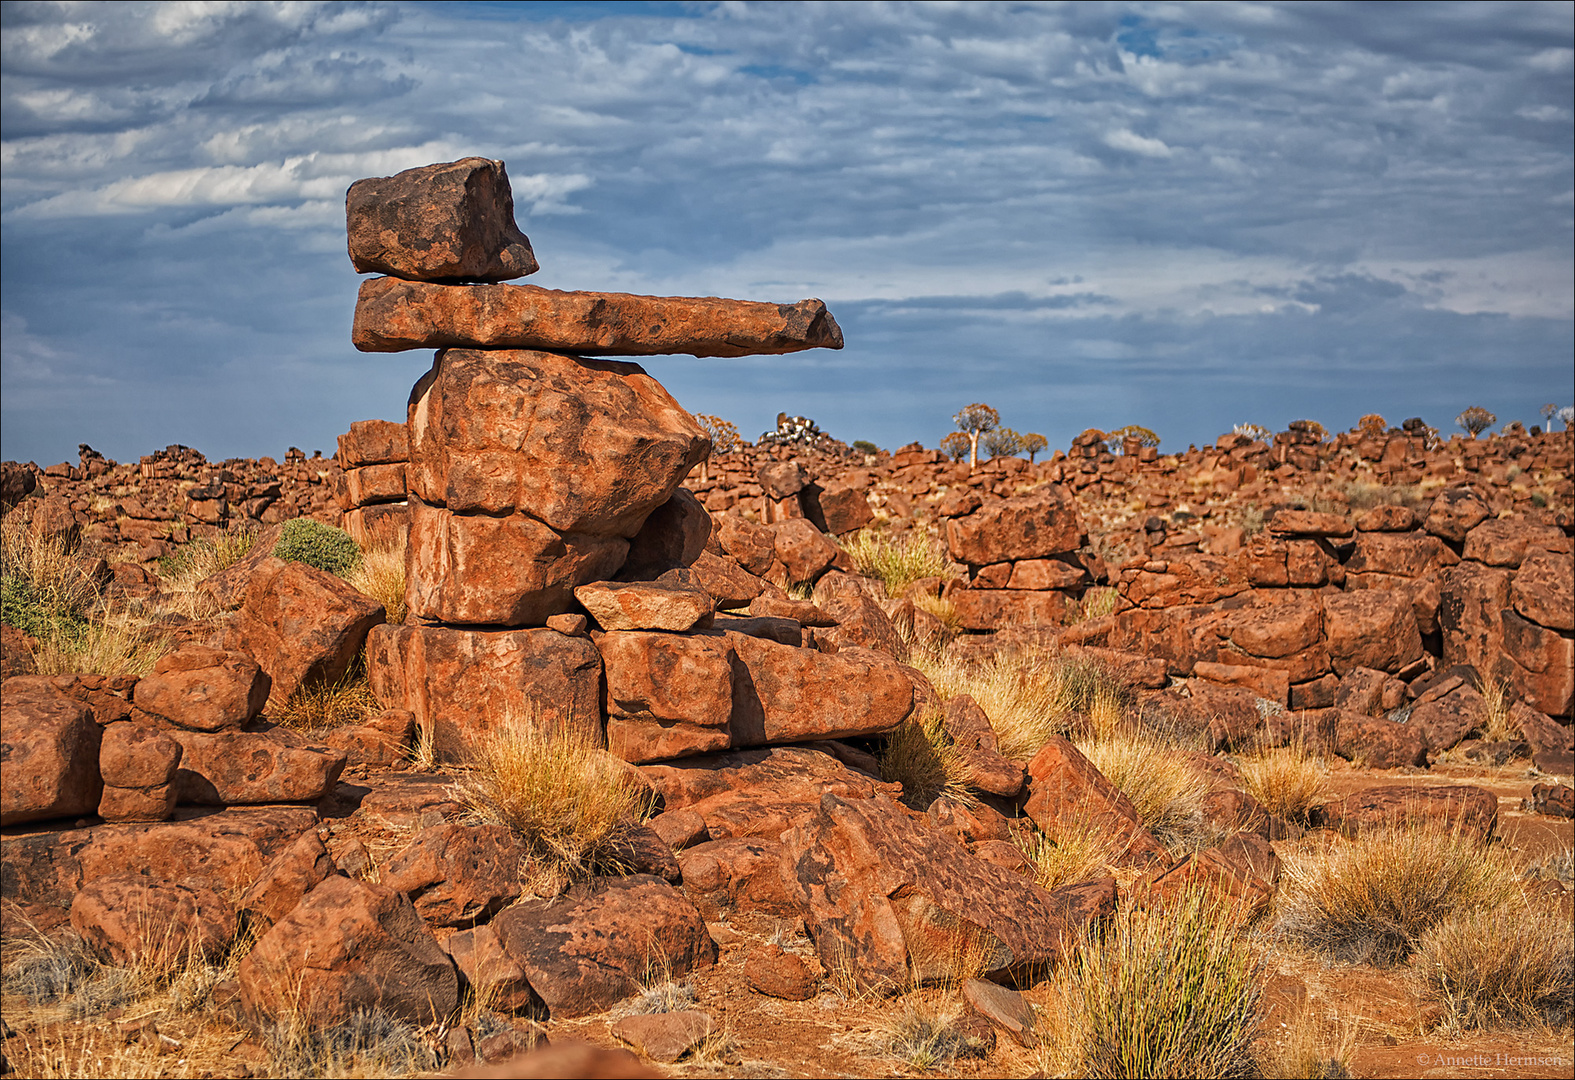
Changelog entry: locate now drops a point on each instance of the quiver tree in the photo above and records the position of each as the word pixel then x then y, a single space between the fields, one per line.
pixel 1002 442
pixel 955 446
pixel 973 422
pixel 1476 420
pixel 724 437
pixel 1034 442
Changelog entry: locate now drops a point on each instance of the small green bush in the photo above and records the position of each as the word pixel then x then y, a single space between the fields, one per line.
pixel 308 541
pixel 864 446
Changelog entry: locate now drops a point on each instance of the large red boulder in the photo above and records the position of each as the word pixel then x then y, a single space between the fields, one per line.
pixel 458 874
pixel 1029 527
pixel 1066 790
pixel 784 694
pixel 304 626
pixel 50 746
pixel 204 689
pixel 130 918
pixel 667 695
pixel 250 768
pixel 138 763
pixel 1372 628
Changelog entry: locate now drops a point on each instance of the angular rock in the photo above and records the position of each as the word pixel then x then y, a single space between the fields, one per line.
pixel 492 974
pixel 1003 1007
pixel 1538 663
pixel 349 945
pixel 667 695
pixel 383 740
pixel 673 537
pixel 845 509
pixel 458 874
pixel 453 220
pixel 459 683
pixel 1045 574
pixel 782 694
pixel 49 746
pixel 288 877
pixel 1445 720
pixel 992 609
pixel 1471 599
pixel 752 545
pixel 374 442
pixel 891 904
pixel 803 549
pixel 640 605
pixel 975 740
pixel 1067 791
pixel 664 1037
pixel 1541 730
pixel 583 446
pixel 254 768
pixel 137 756
pixel 729 584
pixel 1373 628
pixel 1472 810
pixel 204 689
pixel 861 621
pixel 1410 554
pixel 379 525
pixel 1308 523
pixel 1276 630
pixel 392 315
pixel 1374 742
pixel 598 942
pixel 782 479
pixel 1455 513
pixel 154 803
pixel 1507 542
pixel 303 626
pixel 1543 590
pixel 1029 527
pixel 375 484
pixel 736 875
pixel 1211 871
pixel 777 973
pixel 1554 800
pixel 1390 517
pixel 130 918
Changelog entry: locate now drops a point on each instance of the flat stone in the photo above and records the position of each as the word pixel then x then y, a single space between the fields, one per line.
pixel 643 605
pixel 664 1037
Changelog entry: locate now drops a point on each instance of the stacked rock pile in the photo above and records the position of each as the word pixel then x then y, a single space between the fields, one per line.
pixel 372 491
pixel 543 485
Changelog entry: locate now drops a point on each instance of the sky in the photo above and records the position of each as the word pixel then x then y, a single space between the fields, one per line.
pixel 1184 216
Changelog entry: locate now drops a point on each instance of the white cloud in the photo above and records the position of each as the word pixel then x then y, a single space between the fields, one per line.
pixel 1123 139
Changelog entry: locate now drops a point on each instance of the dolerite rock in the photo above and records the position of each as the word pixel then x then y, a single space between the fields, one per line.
pixel 1372 628
pixel 49 745
pixel 667 695
pixel 672 538
pixel 288 877
pixel 1455 513
pixel 783 694
pixel 599 942
pixel 1376 742
pixel 777 973
pixel 1030 527
pixel 457 874
pixel 1067 791
pixel 303 626
pixel 664 1037
pixel 130 918
pixel 1447 719
pixel 252 768
pixel 138 764
pixel 392 315
pixel 1471 810
pixel 204 689
pixel 374 442
pixel 892 904
pixel 349 945
pixel 737 875
pixel 458 683
pixel 640 605
pixel 804 550
pixel 493 975
pixel 438 223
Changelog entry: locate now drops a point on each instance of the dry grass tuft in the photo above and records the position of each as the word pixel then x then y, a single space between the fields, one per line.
pixel 1289 781
pixel 1166 793
pixel 920 756
pixel 1504 966
pixel 569 800
pixel 1081 851
pixel 1310 1050
pixel 191 562
pixel 370 1043
pixel 1096 603
pixel 897 561
pixel 1500 724
pixel 1162 992
pixel 114 647
pixel 319 706
pixel 381 575
pixel 1370 900
pixel 925 1034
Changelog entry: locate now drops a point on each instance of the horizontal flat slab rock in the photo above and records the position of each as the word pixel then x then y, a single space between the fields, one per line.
pixel 393 315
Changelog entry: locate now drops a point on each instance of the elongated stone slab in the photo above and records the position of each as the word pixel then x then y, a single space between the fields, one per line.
pixel 392 315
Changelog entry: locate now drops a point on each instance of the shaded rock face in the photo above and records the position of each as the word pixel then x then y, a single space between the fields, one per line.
pixel 1067 790
pixel 458 875
pixel 204 689
pixel 49 747
pixel 1030 527
pixel 437 223
pixel 891 903
pixel 131 918
pixel 254 768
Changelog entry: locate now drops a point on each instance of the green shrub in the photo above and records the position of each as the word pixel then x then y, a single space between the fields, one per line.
pixel 864 446
pixel 308 541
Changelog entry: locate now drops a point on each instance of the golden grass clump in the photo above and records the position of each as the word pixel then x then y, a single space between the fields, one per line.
pixel 1310 1050
pixel 381 575
pixel 1166 793
pixel 921 757
pixel 1172 992
pixel 1509 965
pixel 1499 725
pixel 114 647
pixel 1080 851
pixel 1290 781
pixel 1371 899
pixel 569 800
pixel 319 706
pixel 897 561
pixel 926 1032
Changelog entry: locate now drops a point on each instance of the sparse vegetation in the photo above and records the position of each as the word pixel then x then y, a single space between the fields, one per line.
pixel 1372 426
pixel 1370 900
pixel 1002 442
pixel 1289 780
pixel 309 541
pixel 1508 965
pixel 1171 991
pixel 972 422
pixel 926 1035
pixel 1310 1050
pixel 1167 795
pixel 1096 603
pixel 381 575
pixel 320 706
pixel 1256 432
pixel 370 1043
pixel 1034 443
pixel 1115 441
pixel 1499 723
pixel 897 561
pixel 920 756
pixel 1080 851
pixel 196 559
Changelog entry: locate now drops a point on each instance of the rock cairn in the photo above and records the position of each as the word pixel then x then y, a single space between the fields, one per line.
pixel 543 486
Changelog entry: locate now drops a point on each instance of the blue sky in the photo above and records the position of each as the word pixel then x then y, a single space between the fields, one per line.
pixel 1183 216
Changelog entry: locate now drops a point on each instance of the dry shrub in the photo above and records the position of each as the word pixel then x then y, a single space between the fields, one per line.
pixel 1289 781
pixel 940 607
pixel 370 1043
pixel 1371 899
pixel 1081 851
pixel 381 575
pixel 1499 725
pixel 898 561
pixel 1096 603
pixel 114 647
pixel 569 800
pixel 1163 992
pixel 318 706
pixel 1166 793
pixel 1310 1050
pixel 1509 965
pixel 921 757
pixel 925 1032
pixel 200 558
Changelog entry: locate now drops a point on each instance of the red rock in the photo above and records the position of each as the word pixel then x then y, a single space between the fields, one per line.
pixel 127 919
pixel 303 626
pixel 1230 713
pixel 752 545
pixel 493 975
pixel 438 222
pixel 1538 663
pixel 204 689
pixel 1472 810
pixel 861 621
pixel 373 442
pixel 1374 742
pixel 1046 574
pixel 1276 630
pixel 891 904
pixel 383 740
pixel 1444 721
pixel 583 446
pixel 1471 599
pixel 1507 542
pixel 736 875
pixel 154 803
pixel 458 683
pixel 1372 628
pixel 1554 800
pixel 1003 1007
pixel 1455 513
pixel 803 612
pixel 1212 872
pixel 782 479
pixel 992 609
pixel 136 755
pixel 375 484
pixel 498 571
pixel 380 525
pixel 640 605
pixel 1029 527
pixel 16 652
pixel 458 874
pixel 1543 590
pixel 679 829
pixel 968 823
pixel 777 973
pixel 975 740
pixel 793 694
pixel 252 768
pixel 1195 579
pixel 1387 518
pixel 845 509
pixel 1422 593
pixel 803 549
pixel 1541 730
pixel 1270 684
pixel 664 1037
pixel 766 627
pixel 1408 554
pixel 348 945
pixel 667 695
pixel 566 1058
pixel 594 945
pixel 1065 788
pixel 1308 523
pixel 392 315
pixel 50 746
pixel 288 877
pixel 674 536
pixel 729 584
